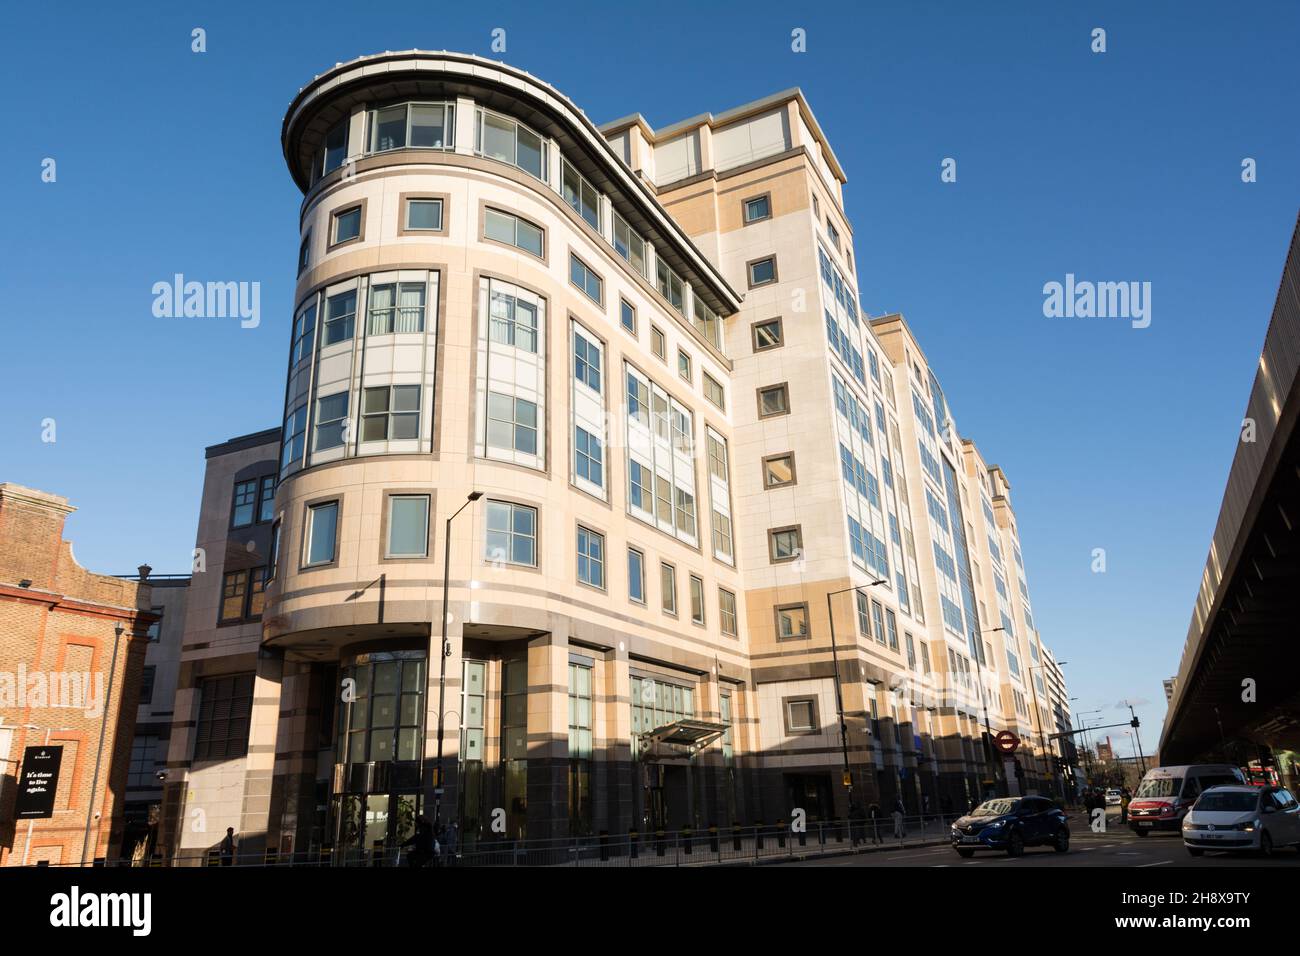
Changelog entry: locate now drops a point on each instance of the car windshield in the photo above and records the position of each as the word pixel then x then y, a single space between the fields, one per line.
pixel 994 808
pixel 1160 787
pixel 1228 801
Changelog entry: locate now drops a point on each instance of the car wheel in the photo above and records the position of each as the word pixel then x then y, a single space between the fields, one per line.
pixel 1265 844
pixel 1015 844
pixel 1062 842
pixel 1195 851
pixel 965 853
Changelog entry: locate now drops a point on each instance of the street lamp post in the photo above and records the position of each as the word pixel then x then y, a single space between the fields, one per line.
pixel 1142 760
pixel 118 630
pixel 839 693
pixel 446 651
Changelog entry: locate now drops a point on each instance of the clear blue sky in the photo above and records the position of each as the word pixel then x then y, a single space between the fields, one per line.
pixel 1118 166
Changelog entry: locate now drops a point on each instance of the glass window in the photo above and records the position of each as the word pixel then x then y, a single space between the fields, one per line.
pixel 266 499
pixel 717 456
pixel 304 333
pixel 713 391
pixel 422 214
pixel 155 629
pixel 322 532
pixel 800 715
pixel 257 579
pixel 629 244
pixel 408 526
pixel 511 534
pixel 586 280
pixel 588 457
pixel 683 365
pixel 767 335
pixel 340 315
pixel 697 600
pixel 512 423
pixel 304 253
pixel 513 321
pixel 636 575
pixel 146 684
pixel 591 557
pixel 347 224
pixel 762 272
pixel 388 128
pixel 706 322
pixel 773 400
pixel 234 592
pixel 668 587
pixel 627 315
pixel 396 307
pixel 778 470
pixel 245 504
pixel 391 412
pixel 586 361
pixel 722 541
pixel 760 207
pixel 510 229
pixel 336 146
pixel 791 621
pixel 430 125
pixel 580 194
pixel 670 285
pixel 727 612
pixel 295 426
pixel 658 342
pixel 785 544
pixel 504 139
pixel 331 416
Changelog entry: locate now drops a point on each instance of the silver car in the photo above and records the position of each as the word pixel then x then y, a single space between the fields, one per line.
pixel 1260 819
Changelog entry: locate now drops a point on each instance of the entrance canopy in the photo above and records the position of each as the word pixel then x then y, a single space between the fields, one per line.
pixel 691 735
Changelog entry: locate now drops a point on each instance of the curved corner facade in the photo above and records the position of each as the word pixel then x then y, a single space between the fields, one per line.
pixel 520 370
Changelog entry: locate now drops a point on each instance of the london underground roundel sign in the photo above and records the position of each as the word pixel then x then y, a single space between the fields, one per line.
pixel 1006 741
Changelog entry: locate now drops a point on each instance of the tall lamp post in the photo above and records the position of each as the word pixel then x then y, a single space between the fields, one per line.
pixel 839 693
pixel 446 652
pixel 1133 722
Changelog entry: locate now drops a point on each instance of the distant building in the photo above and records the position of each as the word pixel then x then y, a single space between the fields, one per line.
pixel 1171 684
pixel 72 652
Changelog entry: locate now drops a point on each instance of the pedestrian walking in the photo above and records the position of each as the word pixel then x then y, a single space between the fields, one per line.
pixel 1125 797
pixel 899 813
pixel 228 848
pixel 856 820
pixel 421 842
pixel 873 814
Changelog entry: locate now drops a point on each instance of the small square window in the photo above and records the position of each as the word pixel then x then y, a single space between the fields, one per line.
pixel 627 315
pixel 322 533
pixel 791 622
pixel 658 342
pixel 424 215
pixel 773 400
pixel 683 365
pixel 758 208
pixel 801 715
pixel 785 544
pixel 778 470
pixel 762 271
pixel 347 225
pixel 768 335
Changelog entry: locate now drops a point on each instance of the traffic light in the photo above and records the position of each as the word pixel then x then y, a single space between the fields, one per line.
pixel 1135 722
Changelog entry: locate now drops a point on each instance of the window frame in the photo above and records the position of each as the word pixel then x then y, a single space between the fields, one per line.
pixel 744 209
pixel 794 475
pixel 782 388
pixel 386 532
pixel 749 272
pixel 792 606
pixel 576 260
pixel 404 201
pixel 631 550
pixel 798 552
pixel 668 607
pixel 359 207
pixel 780 330
pixel 511 533
pixel 814 726
pixel 695 588
pixel 600 562
pixel 485 210
pixel 724 613
pixel 310 508
pixel 625 307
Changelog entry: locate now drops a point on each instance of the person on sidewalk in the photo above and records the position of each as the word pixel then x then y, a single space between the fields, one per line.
pixel 873 814
pixel 898 814
pixel 228 848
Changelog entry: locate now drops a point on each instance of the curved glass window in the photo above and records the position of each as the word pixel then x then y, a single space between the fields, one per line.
pixel 412 125
pixel 502 138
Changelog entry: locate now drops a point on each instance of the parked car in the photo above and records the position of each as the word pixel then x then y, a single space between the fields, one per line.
pixel 1261 819
pixel 1112 797
pixel 1166 793
pixel 1011 824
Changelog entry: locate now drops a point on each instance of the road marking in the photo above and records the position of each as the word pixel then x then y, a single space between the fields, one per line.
pixel 1161 863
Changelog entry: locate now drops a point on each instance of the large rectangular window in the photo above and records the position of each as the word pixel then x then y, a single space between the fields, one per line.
pixel 396 307
pixel 629 244
pixel 580 194
pixel 423 215
pixel 511 534
pixel 225 706
pixel 340 316
pixel 322 533
pixel 412 125
pixel 502 138
pixel 591 557
pixel 514 231
pixel 513 321
pixel 586 280
pixel 670 285
pixel 586 361
pixel 331 414
pixel 391 412
pixel 408 526
pixel 727 612
pixel 512 423
pixel 245 504
pixel 588 457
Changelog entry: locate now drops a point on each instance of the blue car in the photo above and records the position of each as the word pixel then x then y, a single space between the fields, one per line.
pixel 1011 824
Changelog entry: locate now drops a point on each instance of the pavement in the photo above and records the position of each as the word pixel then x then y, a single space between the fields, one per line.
pixel 1118 846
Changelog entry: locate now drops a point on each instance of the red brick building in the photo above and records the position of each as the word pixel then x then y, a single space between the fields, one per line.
pixel 72 648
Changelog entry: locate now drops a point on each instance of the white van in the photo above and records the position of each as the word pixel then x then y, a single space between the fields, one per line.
pixel 1165 794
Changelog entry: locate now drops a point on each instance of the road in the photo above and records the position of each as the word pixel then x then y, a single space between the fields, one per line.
pixel 1116 847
